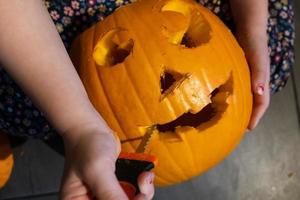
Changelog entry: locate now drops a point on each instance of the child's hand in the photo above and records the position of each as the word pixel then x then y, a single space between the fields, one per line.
pixel 251 18
pixel 51 80
pixel 90 166
pixel 255 46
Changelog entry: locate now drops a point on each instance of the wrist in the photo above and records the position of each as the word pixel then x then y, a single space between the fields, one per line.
pixel 77 136
pixel 94 125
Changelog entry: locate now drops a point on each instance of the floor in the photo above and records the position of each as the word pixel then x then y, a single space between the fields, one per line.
pixel 265 166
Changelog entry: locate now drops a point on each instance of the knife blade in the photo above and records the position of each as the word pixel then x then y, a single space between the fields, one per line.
pixel 145 140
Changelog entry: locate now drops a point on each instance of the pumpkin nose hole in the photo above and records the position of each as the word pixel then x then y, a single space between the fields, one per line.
pixel 169 81
pixel 109 52
pixel 166 81
pixel 197 31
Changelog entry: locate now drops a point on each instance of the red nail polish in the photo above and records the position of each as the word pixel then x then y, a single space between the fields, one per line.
pixel 260 89
pixel 151 179
pixel 151 182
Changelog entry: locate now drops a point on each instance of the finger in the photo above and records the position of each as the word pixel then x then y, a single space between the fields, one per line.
pixel 72 187
pixel 84 197
pixel 260 73
pixel 259 80
pixel 141 197
pixel 260 105
pixel 118 143
pixel 260 69
pixel 145 183
pixel 104 184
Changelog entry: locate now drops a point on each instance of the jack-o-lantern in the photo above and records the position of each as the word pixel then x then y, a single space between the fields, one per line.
pixel 171 64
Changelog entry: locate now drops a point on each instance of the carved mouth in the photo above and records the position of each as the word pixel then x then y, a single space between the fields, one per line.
pixel 189 119
pixel 211 112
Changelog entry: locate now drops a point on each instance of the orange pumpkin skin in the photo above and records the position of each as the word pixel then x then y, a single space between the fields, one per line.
pixel 6 160
pixel 124 60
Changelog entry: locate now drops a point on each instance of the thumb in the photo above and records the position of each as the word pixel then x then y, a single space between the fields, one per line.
pixel 72 187
pixel 260 70
pixel 104 185
pixel 145 183
pixel 260 73
pixel 256 51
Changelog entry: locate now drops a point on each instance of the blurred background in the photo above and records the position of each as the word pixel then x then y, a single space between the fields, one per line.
pixel 265 166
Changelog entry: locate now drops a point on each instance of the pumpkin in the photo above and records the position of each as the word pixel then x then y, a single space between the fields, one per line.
pixel 174 65
pixel 6 160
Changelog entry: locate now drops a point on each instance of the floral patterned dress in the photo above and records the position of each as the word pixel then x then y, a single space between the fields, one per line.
pixel 18 115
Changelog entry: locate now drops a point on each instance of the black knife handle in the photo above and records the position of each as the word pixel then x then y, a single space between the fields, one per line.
pixel 129 166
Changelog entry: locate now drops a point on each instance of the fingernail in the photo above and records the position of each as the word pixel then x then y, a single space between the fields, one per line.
pixel 150 178
pixel 260 89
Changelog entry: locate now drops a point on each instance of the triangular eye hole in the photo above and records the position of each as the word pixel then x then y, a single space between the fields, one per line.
pixel 169 80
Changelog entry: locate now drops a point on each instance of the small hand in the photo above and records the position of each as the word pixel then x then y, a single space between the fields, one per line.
pixel 89 170
pixel 255 46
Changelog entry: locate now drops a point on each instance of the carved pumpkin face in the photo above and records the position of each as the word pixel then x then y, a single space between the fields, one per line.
pixel 174 65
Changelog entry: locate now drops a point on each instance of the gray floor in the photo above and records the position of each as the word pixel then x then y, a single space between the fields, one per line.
pixel 265 166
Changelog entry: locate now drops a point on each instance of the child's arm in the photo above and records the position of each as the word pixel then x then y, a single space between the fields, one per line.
pixel 33 53
pixel 251 17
